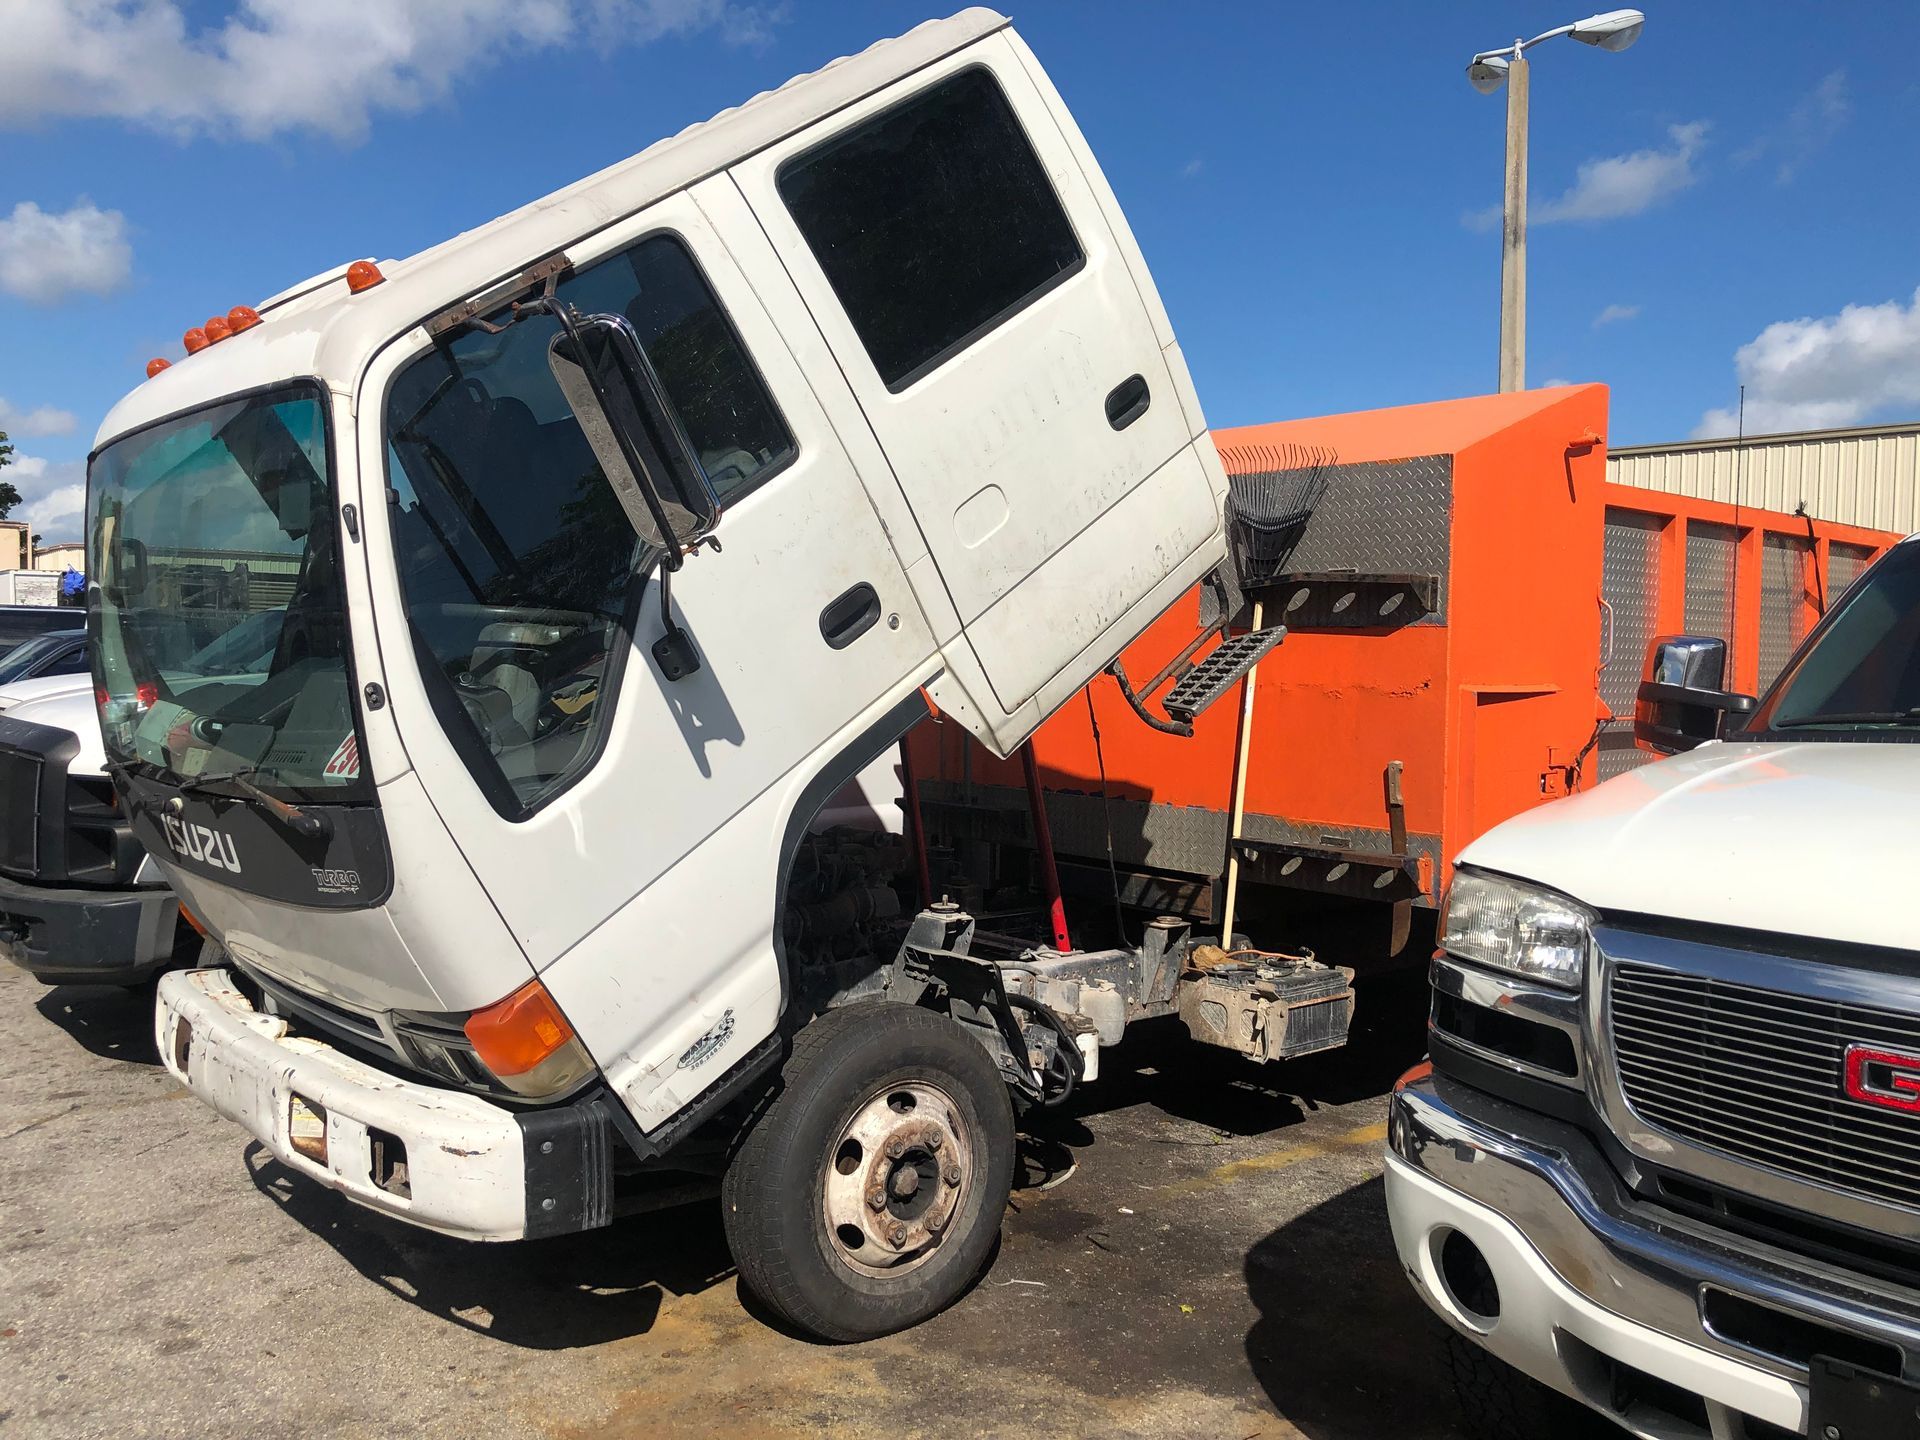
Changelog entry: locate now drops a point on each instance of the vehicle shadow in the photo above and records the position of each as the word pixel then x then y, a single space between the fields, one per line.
pixel 562 1293
pixel 1343 1347
pixel 105 1020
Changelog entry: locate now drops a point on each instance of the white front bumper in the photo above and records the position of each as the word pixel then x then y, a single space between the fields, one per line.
pixel 1537 1308
pixel 465 1157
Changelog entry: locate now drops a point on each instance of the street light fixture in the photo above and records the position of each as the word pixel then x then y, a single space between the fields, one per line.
pixel 1611 30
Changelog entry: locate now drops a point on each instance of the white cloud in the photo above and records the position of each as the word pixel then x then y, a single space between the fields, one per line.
pixel 1614 314
pixel 46 256
pixel 41 420
pixel 1809 128
pixel 53 493
pixel 1192 168
pixel 276 65
pixel 1620 185
pixel 1815 373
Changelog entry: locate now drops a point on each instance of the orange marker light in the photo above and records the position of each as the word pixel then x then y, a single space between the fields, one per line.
pixel 195 340
pixel 217 329
pixel 527 1042
pixel 242 317
pixel 520 1031
pixel 156 365
pixel 363 275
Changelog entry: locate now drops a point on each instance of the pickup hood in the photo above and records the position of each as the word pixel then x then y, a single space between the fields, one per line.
pixel 66 703
pixel 1817 839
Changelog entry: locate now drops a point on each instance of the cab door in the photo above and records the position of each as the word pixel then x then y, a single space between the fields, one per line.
pixel 627 826
pixel 966 278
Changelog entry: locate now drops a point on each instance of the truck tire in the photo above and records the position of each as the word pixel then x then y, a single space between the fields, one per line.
pixel 1498 1402
pixel 869 1194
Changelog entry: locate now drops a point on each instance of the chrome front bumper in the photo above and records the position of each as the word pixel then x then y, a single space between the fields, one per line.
pixel 1588 1273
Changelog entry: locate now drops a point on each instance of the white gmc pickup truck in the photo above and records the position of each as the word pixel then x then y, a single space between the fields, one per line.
pixel 1665 1158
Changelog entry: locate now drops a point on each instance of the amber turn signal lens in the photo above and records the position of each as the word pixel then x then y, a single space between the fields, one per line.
pixel 195 340
pixel 363 275
pixel 242 317
pixel 518 1033
pixel 156 365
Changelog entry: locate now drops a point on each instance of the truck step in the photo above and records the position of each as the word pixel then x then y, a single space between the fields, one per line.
pixel 1220 672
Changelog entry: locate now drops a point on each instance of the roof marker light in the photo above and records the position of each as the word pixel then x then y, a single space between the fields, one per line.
pixel 195 340
pixel 156 365
pixel 242 317
pixel 217 329
pixel 363 275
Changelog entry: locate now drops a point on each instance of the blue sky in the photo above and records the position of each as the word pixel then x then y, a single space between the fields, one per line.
pixel 1734 198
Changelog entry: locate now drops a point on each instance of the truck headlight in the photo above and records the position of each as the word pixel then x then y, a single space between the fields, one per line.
pixel 1517 927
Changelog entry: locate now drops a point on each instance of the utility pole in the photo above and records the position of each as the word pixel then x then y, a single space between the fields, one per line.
pixel 1513 246
pixel 1611 30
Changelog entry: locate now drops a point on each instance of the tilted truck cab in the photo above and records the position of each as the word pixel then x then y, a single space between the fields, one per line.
pixel 1665 1159
pixel 509 807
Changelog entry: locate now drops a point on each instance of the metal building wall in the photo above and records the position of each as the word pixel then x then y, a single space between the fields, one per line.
pixel 1868 476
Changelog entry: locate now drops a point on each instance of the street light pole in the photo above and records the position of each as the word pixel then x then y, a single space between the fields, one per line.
pixel 1611 30
pixel 1513 232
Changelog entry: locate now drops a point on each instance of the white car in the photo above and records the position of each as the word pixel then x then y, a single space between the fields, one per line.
pixel 80 900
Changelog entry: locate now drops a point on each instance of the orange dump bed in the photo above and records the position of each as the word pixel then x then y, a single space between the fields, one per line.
pixel 1488 570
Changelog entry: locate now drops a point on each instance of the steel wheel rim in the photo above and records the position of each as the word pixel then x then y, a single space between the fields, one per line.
pixel 894 1179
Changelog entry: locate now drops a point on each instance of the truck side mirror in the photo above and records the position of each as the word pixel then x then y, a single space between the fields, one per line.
pixel 1681 704
pixel 634 431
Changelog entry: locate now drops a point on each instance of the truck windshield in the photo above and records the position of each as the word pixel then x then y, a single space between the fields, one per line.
pixel 1861 673
pixel 222 636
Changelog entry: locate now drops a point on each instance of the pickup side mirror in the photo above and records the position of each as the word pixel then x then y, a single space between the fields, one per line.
pixel 1681 704
pixel 635 433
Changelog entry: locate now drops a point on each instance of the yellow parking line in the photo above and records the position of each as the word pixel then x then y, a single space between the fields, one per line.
pixel 1233 1170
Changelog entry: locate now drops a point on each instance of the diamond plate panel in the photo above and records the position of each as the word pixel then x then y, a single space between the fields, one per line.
pixel 1710 580
pixel 1380 517
pixel 1845 564
pixel 1630 584
pixel 1785 572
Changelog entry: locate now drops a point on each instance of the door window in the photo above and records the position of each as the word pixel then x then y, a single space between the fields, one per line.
pixel 934 222
pixel 515 558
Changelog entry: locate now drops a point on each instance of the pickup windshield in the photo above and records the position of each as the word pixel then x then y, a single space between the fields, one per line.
pixel 222 634
pixel 1860 676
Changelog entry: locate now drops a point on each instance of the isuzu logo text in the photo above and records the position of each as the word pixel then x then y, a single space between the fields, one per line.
pixel 202 843
pixel 1883 1077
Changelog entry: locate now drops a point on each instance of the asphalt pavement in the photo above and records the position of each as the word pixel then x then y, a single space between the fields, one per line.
pixel 1198 1248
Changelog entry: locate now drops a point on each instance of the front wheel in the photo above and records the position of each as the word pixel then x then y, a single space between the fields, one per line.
pixel 869 1194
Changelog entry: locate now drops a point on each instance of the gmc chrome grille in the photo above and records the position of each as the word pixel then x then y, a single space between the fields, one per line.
pixel 1759 1075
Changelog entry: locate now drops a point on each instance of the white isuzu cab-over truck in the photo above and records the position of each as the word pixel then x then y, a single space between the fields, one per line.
pixel 1666 1156
pixel 499 838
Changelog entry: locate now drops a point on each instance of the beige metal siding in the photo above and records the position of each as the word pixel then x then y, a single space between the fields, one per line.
pixel 1869 476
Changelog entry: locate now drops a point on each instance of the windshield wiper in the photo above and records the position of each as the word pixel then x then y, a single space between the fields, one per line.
pixel 1852 717
pixel 302 822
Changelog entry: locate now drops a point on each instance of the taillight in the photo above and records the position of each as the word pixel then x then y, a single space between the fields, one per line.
pixel 528 1044
pixel 147 693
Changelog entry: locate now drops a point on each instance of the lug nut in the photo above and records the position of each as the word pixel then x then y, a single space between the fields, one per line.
pixel 876 1198
pixel 951 1175
pixel 934 1140
pixel 896 1147
pixel 897 1236
pixel 936 1223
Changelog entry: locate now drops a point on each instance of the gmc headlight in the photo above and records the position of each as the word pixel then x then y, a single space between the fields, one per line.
pixel 1513 926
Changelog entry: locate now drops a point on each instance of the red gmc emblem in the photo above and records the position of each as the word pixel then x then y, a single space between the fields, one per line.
pixel 1883 1077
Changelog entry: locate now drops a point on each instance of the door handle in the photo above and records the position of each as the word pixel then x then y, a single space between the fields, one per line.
pixel 1128 401
pixel 850 616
